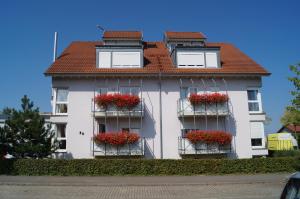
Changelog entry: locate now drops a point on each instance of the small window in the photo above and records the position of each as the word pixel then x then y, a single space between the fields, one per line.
pixel 61 137
pixel 256 142
pixel 253 101
pixel 61 104
pixel 257 134
pixel 102 128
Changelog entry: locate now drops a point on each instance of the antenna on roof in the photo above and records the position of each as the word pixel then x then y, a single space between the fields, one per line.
pixel 55 46
pixel 100 28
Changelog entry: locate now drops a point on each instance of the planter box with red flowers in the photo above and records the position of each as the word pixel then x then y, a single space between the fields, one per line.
pixel 123 104
pixel 203 142
pixel 118 143
pixel 210 104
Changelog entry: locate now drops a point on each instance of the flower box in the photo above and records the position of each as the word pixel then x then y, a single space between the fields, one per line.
pixel 211 98
pixel 116 138
pixel 209 137
pixel 120 101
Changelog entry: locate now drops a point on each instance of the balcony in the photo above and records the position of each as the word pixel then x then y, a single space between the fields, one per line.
pixel 185 147
pixel 186 109
pixel 135 149
pixel 113 111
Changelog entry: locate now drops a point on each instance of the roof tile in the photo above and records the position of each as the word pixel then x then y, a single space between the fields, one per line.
pixel 122 34
pixel 184 35
pixel 80 57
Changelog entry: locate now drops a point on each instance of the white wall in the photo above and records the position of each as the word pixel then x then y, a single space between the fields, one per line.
pixel 80 117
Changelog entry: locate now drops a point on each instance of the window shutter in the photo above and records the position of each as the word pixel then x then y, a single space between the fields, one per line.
pixel 257 129
pixel 104 59
pixel 211 60
pixel 126 59
pixel 188 59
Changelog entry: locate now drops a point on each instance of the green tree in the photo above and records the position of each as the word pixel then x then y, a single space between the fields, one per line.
pixel 292 113
pixel 25 134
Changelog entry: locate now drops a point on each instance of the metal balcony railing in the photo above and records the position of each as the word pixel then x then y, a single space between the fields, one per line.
pixel 135 149
pixel 185 147
pixel 186 109
pixel 113 111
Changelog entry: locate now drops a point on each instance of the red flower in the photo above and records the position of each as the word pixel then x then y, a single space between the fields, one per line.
pixel 213 98
pixel 104 100
pixel 116 138
pixel 208 137
pixel 119 100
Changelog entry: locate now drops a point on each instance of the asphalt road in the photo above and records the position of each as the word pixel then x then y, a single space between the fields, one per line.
pixel 187 187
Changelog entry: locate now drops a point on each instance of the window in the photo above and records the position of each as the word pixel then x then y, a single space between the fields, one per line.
pixel 190 59
pixel 257 134
pixel 61 104
pixel 104 59
pixel 256 142
pixel 102 128
pixel 122 59
pixel 197 59
pixel 211 59
pixel 126 59
pixel 253 101
pixel 183 92
pixel 130 90
pixel 61 137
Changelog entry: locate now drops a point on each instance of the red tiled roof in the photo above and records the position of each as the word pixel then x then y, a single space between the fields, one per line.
pixel 122 34
pixel 184 35
pixel 292 128
pixel 80 57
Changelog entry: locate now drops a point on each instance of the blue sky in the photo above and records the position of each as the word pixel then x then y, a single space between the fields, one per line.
pixel 268 31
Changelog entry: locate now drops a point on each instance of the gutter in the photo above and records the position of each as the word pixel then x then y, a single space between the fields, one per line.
pixel 160 115
pixel 154 74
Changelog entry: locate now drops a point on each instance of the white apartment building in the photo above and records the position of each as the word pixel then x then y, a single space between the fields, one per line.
pixel 163 75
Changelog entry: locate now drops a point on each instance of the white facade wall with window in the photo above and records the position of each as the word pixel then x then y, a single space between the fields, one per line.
pixel 80 123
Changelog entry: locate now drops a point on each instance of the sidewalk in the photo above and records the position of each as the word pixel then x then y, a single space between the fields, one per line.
pixel 142 180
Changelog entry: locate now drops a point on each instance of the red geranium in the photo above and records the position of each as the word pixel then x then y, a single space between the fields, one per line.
pixel 116 138
pixel 208 137
pixel 119 100
pixel 212 98
pixel 104 100
pixel 196 99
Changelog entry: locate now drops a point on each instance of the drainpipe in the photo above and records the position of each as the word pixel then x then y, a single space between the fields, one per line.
pixel 160 116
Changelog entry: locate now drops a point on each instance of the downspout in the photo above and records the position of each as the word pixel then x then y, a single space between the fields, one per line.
pixel 160 115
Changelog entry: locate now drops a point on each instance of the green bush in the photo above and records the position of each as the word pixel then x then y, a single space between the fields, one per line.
pixel 286 153
pixel 119 167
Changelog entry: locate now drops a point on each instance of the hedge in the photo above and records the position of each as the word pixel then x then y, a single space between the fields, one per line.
pixel 119 167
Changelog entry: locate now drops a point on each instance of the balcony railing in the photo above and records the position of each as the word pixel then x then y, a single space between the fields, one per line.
pixel 185 147
pixel 186 109
pixel 113 111
pixel 135 149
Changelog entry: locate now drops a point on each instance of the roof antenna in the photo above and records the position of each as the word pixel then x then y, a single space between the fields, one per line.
pixel 55 46
pixel 100 28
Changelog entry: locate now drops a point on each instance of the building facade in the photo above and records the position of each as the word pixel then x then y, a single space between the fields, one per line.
pixel 163 75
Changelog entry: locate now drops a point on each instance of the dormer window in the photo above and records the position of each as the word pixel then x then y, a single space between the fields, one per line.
pixel 197 59
pixel 120 59
pixel 121 49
